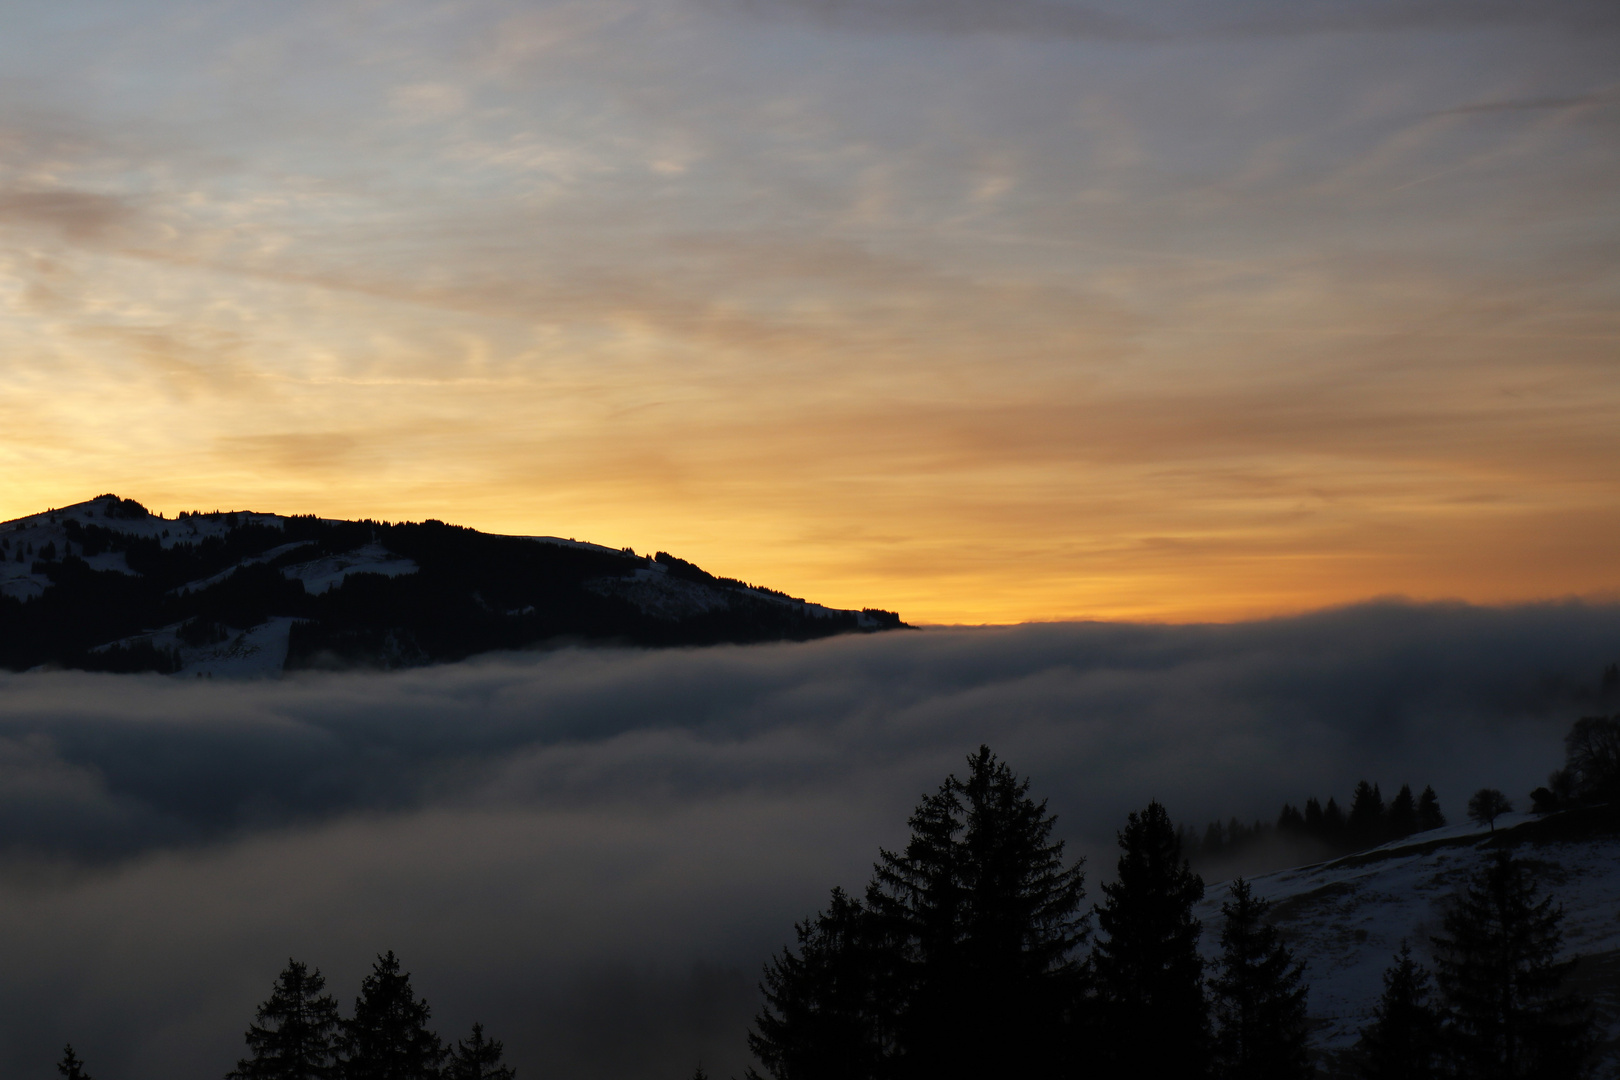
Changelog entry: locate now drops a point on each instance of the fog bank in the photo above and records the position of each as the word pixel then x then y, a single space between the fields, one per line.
pixel 592 851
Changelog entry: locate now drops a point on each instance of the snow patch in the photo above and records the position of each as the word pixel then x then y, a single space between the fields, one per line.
pixel 319 575
pixel 1346 919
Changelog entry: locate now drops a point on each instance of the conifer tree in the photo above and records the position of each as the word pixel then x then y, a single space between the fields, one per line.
pixel 388 1037
pixel 293 1037
pixel 986 917
pixel 1313 819
pixel 1149 975
pixel 478 1058
pixel 1258 996
pixel 1428 811
pixel 1508 1015
pixel 1333 826
pixel 826 1014
pixel 70 1066
pixel 1403 816
pixel 1403 1040
pixel 1365 826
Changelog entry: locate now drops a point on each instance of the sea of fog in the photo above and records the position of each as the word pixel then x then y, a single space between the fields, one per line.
pixel 593 850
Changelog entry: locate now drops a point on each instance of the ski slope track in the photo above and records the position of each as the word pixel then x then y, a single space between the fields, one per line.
pixel 106 585
pixel 1346 919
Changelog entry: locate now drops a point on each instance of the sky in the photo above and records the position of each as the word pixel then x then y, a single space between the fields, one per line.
pixel 978 311
pixel 593 852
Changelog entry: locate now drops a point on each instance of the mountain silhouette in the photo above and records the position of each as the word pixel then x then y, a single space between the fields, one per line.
pixel 105 585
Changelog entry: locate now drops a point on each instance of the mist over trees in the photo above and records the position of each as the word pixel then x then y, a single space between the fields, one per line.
pixel 1317 832
pixel 972 951
pixel 971 955
pixel 965 958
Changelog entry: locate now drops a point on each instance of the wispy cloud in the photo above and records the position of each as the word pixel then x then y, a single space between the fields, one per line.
pixel 1158 284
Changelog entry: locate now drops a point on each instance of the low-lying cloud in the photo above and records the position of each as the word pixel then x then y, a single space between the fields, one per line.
pixel 592 851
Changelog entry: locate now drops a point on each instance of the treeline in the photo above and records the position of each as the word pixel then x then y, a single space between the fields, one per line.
pixel 972 953
pixel 1323 830
pixel 299 1034
pixel 1590 776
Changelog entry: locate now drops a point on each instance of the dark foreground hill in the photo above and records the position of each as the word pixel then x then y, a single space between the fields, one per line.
pixel 105 585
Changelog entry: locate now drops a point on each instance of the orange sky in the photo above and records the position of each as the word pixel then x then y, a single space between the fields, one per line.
pixel 981 321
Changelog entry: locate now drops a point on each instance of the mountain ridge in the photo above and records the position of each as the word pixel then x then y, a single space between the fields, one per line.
pixel 106 585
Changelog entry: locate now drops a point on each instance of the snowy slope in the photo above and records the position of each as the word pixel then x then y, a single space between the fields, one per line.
pixel 1346 918
pixel 205 594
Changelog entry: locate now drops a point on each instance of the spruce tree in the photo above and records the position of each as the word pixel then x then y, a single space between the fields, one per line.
pixel 1333 826
pixel 1403 816
pixel 1258 996
pixel 826 1013
pixel 1314 825
pixel 478 1058
pixel 1509 1017
pixel 1149 975
pixel 70 1066
pixel 1365 827
pixel 1403 1040
pixel 984 917
pixel 388 1037
pixel 1428 812
pixel 293 1036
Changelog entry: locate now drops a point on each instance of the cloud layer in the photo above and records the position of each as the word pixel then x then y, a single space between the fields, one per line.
pixel 593 851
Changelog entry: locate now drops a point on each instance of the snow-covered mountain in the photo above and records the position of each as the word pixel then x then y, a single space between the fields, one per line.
pixel 106 585
pixel 1346 918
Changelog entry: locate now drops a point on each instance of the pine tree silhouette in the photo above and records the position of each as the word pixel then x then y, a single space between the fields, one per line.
pixel 1148 971
pixel 1509 1017
pixel 825 1013
pixel 1428 811
pixel 294 1036
pixel 1402 1042
pixel 959 961
pixel 478 1058
pixel 388 1038
pixel 1365 826
pixel 70 1066
pixel 989 917
pixel 1403 816
pixel 1258 996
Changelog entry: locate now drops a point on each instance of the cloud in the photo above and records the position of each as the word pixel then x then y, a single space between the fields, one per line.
pixel 1535 104
pixel 78 216
pixel 1163 22
pixel 593 850
pixel 1047 17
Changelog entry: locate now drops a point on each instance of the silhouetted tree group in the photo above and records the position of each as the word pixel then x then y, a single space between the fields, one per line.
pixel 965 958
pixel 1497 1006
pixel 1324 829
pixel 299 1034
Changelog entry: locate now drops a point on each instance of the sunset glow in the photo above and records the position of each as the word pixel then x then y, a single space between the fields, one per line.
pixel 1059 314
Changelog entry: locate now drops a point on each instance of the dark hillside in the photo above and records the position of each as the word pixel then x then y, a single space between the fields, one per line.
pixel 106 586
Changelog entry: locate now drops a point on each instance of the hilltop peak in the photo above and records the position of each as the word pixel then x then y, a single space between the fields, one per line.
pixel 106 584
